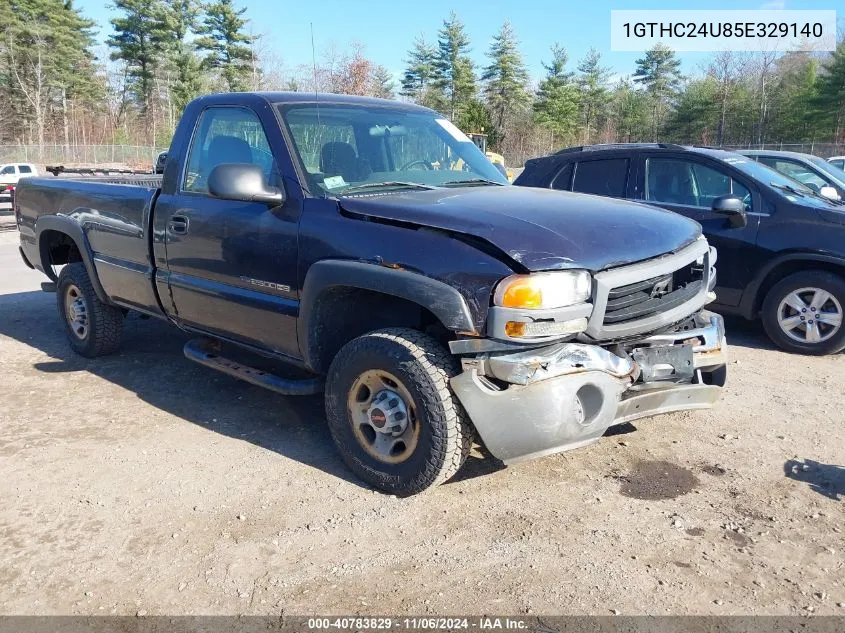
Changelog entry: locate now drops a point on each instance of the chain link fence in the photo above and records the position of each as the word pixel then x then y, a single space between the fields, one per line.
pixel 93 155
pixel 143 156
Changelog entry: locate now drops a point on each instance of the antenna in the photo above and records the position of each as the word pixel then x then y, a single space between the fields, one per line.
pixel 314 65
pixel 316 94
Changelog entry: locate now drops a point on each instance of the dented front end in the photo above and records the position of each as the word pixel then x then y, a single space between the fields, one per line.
pixel 542 401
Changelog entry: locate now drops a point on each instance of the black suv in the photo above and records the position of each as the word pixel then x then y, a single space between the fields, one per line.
pixel 781 245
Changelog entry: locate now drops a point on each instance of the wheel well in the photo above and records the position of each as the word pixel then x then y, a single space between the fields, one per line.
pixel 58 248
pixel 341 314
pixel 784 269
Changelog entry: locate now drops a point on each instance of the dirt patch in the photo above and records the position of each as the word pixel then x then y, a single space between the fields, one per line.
pixel 714 469
pixel 653 480
pixel 695 531
pixel 740 539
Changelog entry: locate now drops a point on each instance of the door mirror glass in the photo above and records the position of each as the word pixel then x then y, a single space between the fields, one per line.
pixel 829 192
pixel 732 207
pixel 243 181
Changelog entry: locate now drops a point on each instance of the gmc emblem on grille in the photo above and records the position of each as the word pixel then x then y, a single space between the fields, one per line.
pixel 661 288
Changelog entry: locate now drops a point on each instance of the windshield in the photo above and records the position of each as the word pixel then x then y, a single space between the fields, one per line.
pixel 347 148
pixel 833 172
pixel 767 175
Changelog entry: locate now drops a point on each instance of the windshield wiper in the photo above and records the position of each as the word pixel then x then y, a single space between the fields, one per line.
pixel 809 191
pixel 387 183
pixel 791 189
pixel 473 181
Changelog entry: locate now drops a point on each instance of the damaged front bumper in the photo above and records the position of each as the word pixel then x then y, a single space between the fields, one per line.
pixel 543 401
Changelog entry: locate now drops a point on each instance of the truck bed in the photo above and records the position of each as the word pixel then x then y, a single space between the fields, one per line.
pixel 114 213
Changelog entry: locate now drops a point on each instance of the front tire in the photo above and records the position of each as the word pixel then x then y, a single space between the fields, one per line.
pixel 391 412
pixel 93 327
pixel 803 313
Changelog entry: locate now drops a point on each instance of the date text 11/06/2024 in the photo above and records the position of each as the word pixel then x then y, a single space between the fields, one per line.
pixel 417 624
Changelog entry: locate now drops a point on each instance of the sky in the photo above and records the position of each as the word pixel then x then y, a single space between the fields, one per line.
pixel 386 28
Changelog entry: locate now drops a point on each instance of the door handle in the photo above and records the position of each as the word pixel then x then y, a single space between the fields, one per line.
pixel 178 225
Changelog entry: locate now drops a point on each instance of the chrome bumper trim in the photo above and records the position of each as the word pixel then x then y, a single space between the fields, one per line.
pixel 567 395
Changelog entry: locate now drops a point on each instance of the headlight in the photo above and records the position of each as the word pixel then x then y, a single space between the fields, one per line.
pixel 541 291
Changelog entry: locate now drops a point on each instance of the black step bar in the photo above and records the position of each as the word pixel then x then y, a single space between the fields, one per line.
pixel 207 352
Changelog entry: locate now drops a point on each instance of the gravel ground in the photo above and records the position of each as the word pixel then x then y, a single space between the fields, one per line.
pixel 143 483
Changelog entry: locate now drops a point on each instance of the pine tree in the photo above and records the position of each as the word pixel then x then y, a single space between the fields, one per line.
pixel 381 83
pixel 420 69
pixel 228 48
pixel 455 76
pixel 181 19
pixel 505 78
pixel 47 44
pixel 660 72
pixel 139 39
pixel 830 97
pixel 630 112
pixel 556 105
pixel 594 94
pixel 696 113
pixel 797 92
pixel 475 117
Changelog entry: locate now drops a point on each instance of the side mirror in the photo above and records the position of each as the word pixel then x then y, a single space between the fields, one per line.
pixel 243 181
pixel 732 207
pixel 829 192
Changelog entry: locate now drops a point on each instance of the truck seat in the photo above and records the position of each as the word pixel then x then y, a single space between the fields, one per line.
pixel 339 159
pixel 228 149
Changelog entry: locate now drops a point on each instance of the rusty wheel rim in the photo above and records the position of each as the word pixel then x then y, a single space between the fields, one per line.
pixel 383 416
pixel 76 312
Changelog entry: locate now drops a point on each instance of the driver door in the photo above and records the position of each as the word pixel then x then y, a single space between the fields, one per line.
pixel 689 187
pixel 231 265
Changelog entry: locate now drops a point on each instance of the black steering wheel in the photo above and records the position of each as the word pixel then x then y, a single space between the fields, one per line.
pixel 426 166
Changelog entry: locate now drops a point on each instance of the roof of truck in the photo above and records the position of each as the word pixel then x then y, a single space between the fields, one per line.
pixel 325 98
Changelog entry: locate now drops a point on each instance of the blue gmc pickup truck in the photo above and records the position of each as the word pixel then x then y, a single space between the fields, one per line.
pixel 371 244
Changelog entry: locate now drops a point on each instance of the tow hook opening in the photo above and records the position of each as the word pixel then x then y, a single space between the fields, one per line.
pixel 590 401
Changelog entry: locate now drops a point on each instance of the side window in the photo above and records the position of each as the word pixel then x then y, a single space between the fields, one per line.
pixel 604 177
pixel 25 169
pixel 563 180
pixel 669 180
pixel 7 170
pixel 227 135
pixel 710 184
pixel 802 174
pixel 687 183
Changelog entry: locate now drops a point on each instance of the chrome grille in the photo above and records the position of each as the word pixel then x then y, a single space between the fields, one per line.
pixel 658 294
pixel 646 296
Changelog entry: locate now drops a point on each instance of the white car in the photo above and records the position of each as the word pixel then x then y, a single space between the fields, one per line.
pixel 837 161
pixel 10 174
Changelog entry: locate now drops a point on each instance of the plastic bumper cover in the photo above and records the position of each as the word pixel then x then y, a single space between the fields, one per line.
pixel 566 396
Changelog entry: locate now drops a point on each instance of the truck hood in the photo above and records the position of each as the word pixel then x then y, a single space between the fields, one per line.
pixel 541 229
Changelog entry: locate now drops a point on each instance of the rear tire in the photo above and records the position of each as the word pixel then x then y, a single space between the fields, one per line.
pixel 391 412
pixel 93 327
pixel 803 313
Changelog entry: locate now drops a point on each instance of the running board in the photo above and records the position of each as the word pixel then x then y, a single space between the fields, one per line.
pixel 206 352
